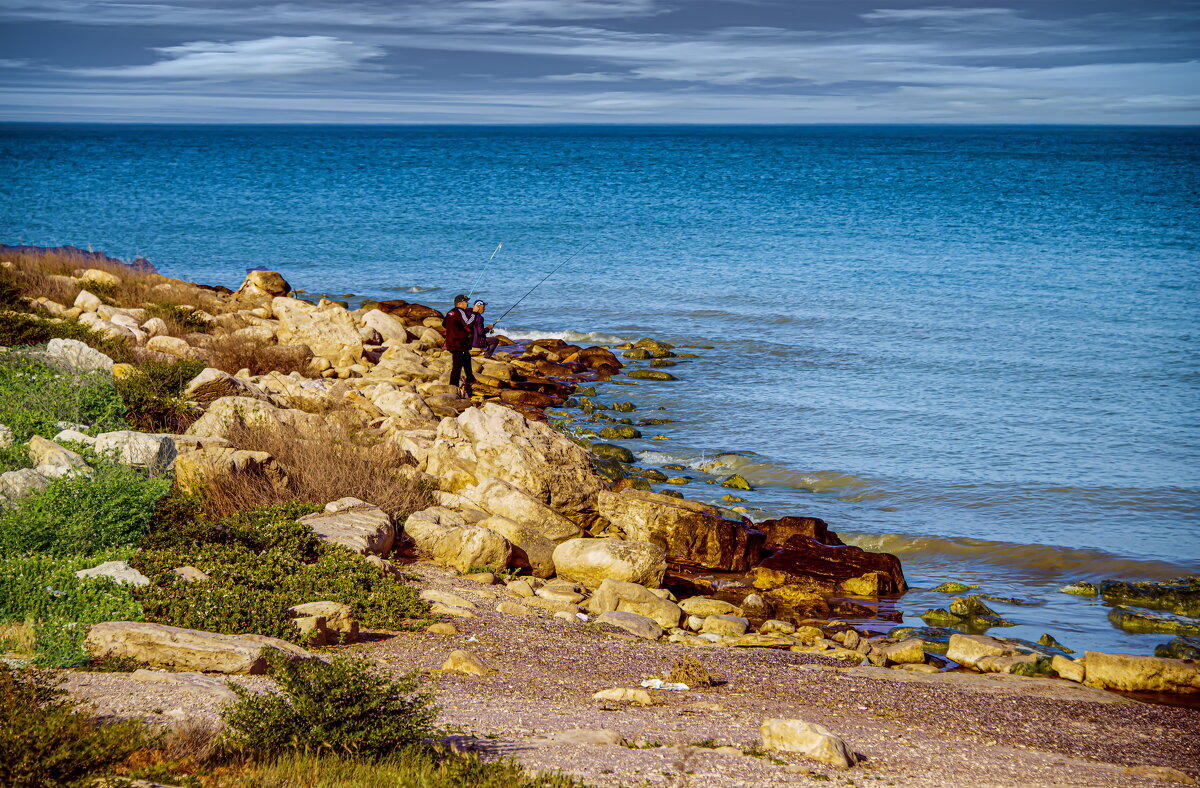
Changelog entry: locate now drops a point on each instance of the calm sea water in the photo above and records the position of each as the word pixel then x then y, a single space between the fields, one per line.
pixel 975 347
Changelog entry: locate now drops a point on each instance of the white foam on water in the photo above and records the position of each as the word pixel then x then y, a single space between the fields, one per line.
pixel 419 289
pixel 574 337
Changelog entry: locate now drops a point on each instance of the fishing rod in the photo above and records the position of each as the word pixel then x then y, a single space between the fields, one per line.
pixel 481 270
pixel 547 276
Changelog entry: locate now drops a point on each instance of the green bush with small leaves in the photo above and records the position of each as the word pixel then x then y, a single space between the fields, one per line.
pixel 153 395
pixel 347 706
pixel 79 515
pixel 48 741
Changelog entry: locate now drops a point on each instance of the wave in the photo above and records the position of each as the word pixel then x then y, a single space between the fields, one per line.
pixel 411 289
pixel 1050 560
pixel 573 337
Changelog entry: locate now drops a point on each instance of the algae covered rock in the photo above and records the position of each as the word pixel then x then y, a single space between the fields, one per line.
pixel 1080 588
pixel 1141 621
pixel 651 374
pixel 951 587
pixel 607 451
pixel 737 482
pixel 1182 647
pixel 620 432
pixel 1180 595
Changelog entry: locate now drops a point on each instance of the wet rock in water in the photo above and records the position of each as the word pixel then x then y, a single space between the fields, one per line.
pixel 737 482
pixel 792 602
pixel 607 451
pixel 622 432
pixel 653 475
pixel 939 616
pixel 624 407
pixel 651 374
pixel 1134 673
pixel 672 494
pixel 972 610
pixel 637 354
pixel 1182 647
pixel 1180 595
pixel 1080 588
pixel 1139 621
pixel 809 564
pixel 674 467
pixel 951 587
pixel 655 348
pixel 735 499
pixel 680 480
pixel 663 362
pixel 654 422
pixel 779 531
pixel 689 531
pixel 1048 640
pixel 609 469
pixel 936 639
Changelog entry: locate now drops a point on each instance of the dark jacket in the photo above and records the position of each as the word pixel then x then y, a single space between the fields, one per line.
pixel 479 332
pixel 459 325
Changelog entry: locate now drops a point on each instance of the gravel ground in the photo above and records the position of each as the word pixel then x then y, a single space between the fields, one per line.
pixel 914 730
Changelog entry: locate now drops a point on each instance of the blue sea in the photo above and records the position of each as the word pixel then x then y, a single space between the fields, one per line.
pixel 975 347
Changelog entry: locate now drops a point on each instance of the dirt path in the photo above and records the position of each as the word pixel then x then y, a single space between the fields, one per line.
pixel 913 729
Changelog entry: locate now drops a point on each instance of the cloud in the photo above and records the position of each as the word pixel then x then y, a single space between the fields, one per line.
pixel 277 56
pixel 935 14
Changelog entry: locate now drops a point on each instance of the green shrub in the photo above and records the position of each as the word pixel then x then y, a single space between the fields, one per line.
pixel 20 328
pixel 153 395
pixel 44 591
pixel 35 397
pixel 346 706
pixel 78 515
pixel 182 318
pixel 48 741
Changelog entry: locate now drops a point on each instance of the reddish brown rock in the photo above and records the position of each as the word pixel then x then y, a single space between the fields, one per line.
pixel 528 399
pixel 807 563
pixel 411 313
pixel 597 357
pixel 779 531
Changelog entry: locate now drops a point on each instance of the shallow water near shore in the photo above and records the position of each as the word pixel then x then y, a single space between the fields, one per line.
pixel 973 347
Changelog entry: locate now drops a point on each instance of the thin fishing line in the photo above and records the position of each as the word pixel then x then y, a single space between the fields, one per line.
pixel 544 278
pixel 481 270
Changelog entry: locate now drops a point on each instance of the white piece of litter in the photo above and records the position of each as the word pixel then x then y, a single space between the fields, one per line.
pixel 472 639
pixel 581 616
pixel 659 684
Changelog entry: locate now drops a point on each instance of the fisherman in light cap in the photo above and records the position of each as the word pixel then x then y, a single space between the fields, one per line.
pixel 480 331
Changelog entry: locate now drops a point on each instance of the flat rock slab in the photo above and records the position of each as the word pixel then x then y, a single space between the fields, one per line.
pixel 1056 689
pixel 366 529
pixel 161 646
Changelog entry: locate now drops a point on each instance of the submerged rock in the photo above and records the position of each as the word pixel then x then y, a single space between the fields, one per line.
pixel 607 451
pixel 951 587
pixel 651 374
pixel 621 432
pixel 1079 588
pixel 1181 647
pixel 1138 621
pixel 1180 595
pixel 737 482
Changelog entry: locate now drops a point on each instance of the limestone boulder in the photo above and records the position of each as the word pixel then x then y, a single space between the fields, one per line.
pixel 391 329
pixel 119 572
pixel 172 346
pixel 707 606
pixel 339 619
pixel 530 549
pixel 1138 673
pixel 155 453
pixel 161 646
pixel 49 455
pixel 497 442
pixel 196 468
pixel 634 598
pixel 88 302
pixel 442 535
pixel 725 626
pixel 808 739
pixel 969 649
pixel 329 330
pixel 356 525
pixel 213 384
pixel 6 436
pixel 262 284
pixel 807 563
pixel 634 624
pixel 498 497
pixel 590 562
pixel 690 532
pixel 224 414
pixel 15 485
pixel 403 404
pixel 465 662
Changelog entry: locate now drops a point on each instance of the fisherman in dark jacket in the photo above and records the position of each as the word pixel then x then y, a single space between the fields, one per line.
pixel 481 339
pixel 460 334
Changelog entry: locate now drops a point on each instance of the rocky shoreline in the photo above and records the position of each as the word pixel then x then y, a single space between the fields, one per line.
pixel 542 553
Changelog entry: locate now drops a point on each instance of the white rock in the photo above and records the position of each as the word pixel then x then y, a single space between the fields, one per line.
pixel 632 623
pixel 75 436
pixel 87 301
pixel 6 437
pixel 17 484
pixel 138 449
pixel 120 571
pixel 363 529
pixel 443 535
pixel 499 497
pixel 810 739
pixel 74 356
pixel 590 562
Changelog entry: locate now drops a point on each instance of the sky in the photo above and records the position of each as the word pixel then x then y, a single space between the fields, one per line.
pixel 601 61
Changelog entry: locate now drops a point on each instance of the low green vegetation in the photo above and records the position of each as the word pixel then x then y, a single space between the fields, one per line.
pixel 48 742
pixel 153 395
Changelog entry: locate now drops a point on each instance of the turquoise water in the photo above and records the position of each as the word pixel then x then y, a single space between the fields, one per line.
pixel 975 347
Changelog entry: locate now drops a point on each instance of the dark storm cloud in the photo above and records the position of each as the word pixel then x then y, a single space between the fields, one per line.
pixel 602 61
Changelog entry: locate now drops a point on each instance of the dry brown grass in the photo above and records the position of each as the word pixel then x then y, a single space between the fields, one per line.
pixel 230 354
pixel 194 739
pixel 319 471
pixel 46 274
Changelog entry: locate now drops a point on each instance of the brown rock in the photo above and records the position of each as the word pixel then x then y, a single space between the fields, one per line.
pixel 691 533
pixel 779 531
pixel 807 563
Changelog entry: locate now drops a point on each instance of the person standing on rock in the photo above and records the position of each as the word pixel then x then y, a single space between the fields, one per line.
pixel 460 334
pixel 480 335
